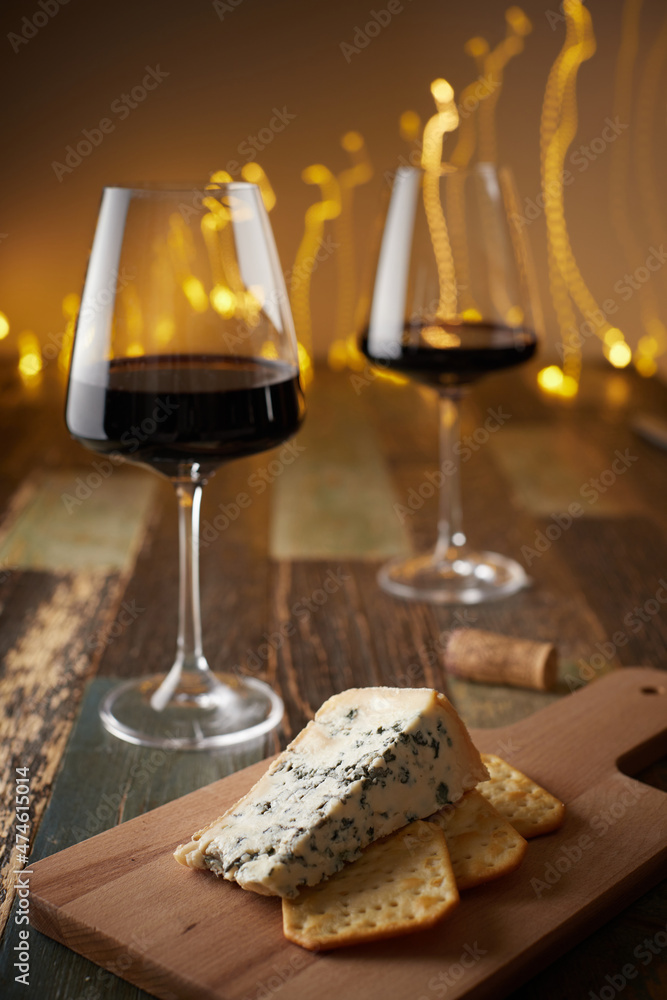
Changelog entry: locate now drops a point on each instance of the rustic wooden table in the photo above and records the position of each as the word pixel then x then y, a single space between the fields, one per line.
pixel 88 594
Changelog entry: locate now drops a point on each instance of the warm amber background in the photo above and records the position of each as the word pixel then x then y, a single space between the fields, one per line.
pixel 226 76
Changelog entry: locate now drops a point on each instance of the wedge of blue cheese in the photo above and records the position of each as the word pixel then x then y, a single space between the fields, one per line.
pixel 371 761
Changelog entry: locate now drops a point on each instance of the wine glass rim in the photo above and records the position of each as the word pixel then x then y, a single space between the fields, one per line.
pixel 178 187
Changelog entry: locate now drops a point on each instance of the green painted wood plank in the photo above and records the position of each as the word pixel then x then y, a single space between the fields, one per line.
pixel 550 467
pixel 80 519
pixel 335 500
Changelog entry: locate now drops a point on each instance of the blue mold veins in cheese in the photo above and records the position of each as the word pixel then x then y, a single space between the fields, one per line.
pixel 371 761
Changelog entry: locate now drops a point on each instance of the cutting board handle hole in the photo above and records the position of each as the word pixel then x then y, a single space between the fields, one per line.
pixel 652 690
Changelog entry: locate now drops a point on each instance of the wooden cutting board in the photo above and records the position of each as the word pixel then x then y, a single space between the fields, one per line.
pixel 121 900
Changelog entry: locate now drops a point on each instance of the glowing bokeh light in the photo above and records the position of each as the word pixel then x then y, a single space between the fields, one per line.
pixel 164 330
pixel 254 174
pixel 569 388
pixel 223 301
pixel 195 293
pixel 550 379
pixel 613 336
pixel 328 207
pixel 345 329
pixel 645 365
pixel 70 306
pixel 443 92
pixel 436 336
pixel 554 382
pixel 220 177
pixel 30 358
pixel 558 126
pixel 269 350
pixel 622 215
pixel 305 364
pixel 392 377
pixel 619 354
pixel 445 120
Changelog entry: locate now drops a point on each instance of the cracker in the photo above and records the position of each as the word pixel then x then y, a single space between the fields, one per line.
pixel 527 806
pixel 400 884
pixel 482 844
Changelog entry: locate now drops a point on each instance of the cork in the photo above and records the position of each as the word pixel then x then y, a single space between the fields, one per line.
pixel 501 659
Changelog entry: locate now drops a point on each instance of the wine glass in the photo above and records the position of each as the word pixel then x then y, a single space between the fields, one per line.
pixel 185 358
pixel 453 300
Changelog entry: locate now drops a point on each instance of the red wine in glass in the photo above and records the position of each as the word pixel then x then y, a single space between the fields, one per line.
pixel 167 411
pixel 190 364
pixel 453 300
pixel 467 352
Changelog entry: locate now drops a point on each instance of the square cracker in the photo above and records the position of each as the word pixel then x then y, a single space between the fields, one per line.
pixel 401 884
pixel 526 805
pixel 482 844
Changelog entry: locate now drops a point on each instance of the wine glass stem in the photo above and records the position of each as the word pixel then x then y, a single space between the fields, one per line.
pixel 189 644
pixel 450 529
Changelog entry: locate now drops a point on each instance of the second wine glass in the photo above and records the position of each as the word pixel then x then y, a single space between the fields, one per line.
pixel 453 300
pixel 185 358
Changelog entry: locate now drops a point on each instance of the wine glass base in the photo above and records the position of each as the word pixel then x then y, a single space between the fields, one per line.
pixel 467 578
pixel 207 712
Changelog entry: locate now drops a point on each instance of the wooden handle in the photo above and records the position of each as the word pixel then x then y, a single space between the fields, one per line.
pixel 622 718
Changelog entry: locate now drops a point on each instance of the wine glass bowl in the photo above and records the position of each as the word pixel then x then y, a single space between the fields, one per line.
pixel 185 358
pixel 453 300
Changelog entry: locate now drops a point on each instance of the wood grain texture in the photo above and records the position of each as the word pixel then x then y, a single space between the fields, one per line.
pixel 334 500
pixel 80 895
pixel 79 519
pixel 44 666
pixel 630 599
pixel 100 784
pixel 234 581
pixel 582 586
pixel 554 608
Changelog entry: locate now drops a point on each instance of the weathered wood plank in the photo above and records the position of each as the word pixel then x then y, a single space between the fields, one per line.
pixel 103 782
pixel 585 584
pixel 333 497
pixel 78 519
pixel 623 566
pixel 62 578
pixel 32 429
pixel 551 468
pixel 234 580
pixel 340 638
pixel 555 606
pixel 46 656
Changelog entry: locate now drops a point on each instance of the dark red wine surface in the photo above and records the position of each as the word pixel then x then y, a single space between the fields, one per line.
pixel 169 410
pixel 466 351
